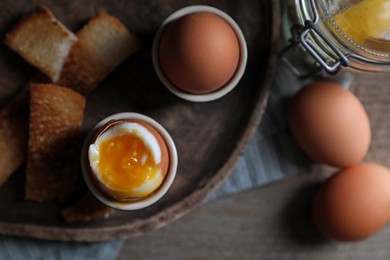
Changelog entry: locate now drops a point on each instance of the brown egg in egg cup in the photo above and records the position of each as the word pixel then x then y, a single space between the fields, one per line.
pixel 201 58
pixel 130 199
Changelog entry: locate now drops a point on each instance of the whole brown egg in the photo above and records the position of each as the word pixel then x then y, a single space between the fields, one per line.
pixel 199 53
pixel 330 124
pixel 354 203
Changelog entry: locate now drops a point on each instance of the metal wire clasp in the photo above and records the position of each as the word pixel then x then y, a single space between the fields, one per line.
pixel 300 37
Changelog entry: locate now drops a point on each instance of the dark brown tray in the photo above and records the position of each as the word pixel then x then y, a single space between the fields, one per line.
pixel 210 137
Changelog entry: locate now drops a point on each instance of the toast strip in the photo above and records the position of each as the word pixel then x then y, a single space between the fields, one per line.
pixel 56 115
pixel 86 208
pixel 103 43
pixel 42 41
pixel 13 135
pixel 14 118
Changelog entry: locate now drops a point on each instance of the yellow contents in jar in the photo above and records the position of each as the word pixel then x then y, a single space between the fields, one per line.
pixel 367 23
pixel 126 163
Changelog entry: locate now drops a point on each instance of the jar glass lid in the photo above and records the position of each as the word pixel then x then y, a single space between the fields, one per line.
pixel 363 25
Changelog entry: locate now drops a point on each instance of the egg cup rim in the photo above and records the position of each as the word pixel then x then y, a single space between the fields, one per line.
pixel 232 83
pixel 157 194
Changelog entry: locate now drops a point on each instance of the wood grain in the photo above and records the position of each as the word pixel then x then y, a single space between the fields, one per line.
pixel 210 137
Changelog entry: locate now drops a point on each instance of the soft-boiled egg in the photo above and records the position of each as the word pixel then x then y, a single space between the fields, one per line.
pixel 128 159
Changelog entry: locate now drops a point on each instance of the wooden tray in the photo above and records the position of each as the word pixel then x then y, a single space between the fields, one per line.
pixel 210 137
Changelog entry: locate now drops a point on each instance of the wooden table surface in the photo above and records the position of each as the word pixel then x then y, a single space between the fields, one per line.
pixel 273 221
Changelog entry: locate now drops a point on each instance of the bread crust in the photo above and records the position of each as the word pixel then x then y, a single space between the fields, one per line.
pixel 13 134
pixel 103 43
pixel 56 115
pixel 42 41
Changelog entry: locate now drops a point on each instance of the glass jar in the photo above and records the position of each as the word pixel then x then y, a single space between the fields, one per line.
pixel 341 33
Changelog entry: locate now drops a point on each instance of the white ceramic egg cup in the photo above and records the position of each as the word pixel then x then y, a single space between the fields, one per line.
pixel 154 197
pixel 232 82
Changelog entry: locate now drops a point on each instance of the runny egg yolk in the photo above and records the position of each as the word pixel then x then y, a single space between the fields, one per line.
pixel 126 163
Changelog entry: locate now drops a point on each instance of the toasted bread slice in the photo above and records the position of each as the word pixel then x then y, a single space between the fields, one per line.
pixel 14 119
pixel 103 43
pixel 87 208
pixel 56 114
pixel 43 41
pixel 13 135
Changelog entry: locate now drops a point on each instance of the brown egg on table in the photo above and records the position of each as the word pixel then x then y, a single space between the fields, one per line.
pixel 353 204
pixel 330 124
pixel 199 53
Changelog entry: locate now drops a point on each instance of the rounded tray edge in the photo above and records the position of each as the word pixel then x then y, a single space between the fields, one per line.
pixel 178 210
